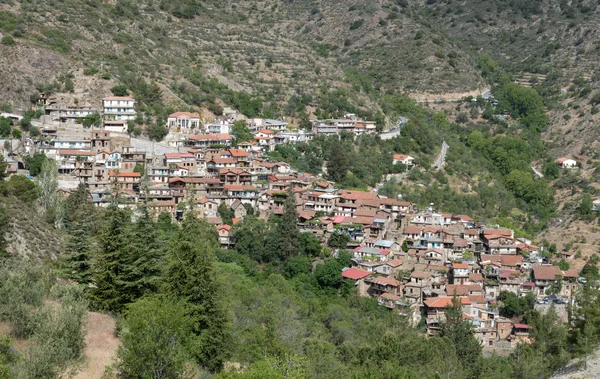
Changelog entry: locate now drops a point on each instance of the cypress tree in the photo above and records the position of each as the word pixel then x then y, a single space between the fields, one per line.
pixel 191 275
pixel 109 293
pixel 338 163
pixel 141 271
pixel 78 221
pixel 288 229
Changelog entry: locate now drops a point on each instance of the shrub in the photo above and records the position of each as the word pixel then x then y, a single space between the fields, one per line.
pixel 7 41
pixel 357 24
pixel 155 339
pixel 90 71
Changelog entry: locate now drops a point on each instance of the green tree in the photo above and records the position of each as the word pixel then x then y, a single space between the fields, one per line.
pixel 329 274
pixel 156 339
pixel 93 119
pixel 289 235
pixel 310 245
pixel 76 262
pixel 585 208
pixel 157 132
pixel 119 90
pixel 47 182
pixel 190 275
pixel 142 271
pixel 338 164
pixel 338 239
pixel 4 225
pixel 226 213
pixel 240 132
pixel 296 266
pixel 109 292
pixel 551 170
pixel 590 271
pixel 460 332
pixel 5 127
pixel 3 169
pixel 22 188
pixel 34 163
pixel 249 236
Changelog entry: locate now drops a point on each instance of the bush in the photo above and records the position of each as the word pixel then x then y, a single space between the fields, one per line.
pixel 357 24
pixel 156 335
pixel 90 71
pixel 7 41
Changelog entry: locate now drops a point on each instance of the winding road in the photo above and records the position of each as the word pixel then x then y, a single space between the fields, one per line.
pixel 440 161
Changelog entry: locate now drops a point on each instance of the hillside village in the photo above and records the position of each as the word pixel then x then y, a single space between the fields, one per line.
pixel 414 261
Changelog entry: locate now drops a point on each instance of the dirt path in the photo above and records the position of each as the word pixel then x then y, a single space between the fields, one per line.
pixel 101 345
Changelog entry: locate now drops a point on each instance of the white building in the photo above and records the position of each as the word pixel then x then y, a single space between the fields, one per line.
pixel 119 108
pixel 404 159
pixel 566 162
pixel 183 121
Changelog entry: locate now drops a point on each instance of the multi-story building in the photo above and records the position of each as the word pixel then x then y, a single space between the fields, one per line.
pixel 118 108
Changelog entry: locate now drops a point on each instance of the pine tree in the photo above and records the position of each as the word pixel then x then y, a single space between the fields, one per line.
pixel 109 293
pixel 141 271
pixel 191 275
pixel 460 332
pixel 4 223
pixel 78 221
pixel 338 164
pixel 76 262
pixel 287 227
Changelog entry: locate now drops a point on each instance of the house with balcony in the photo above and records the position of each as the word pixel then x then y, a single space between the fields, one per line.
pixel 434 311
pixel 547 278
pixel 203 141
pixel 131 158
pixel 71 144
pixel 71 160
pixel 459 273
pixel 225 238
pixel 129 181
pixel 69 114
pixel 183 121
pixel 120 108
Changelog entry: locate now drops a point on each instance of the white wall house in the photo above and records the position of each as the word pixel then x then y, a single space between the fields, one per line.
pixel 404 159
pixel 566 162
pixel 118 108
pixel 183 121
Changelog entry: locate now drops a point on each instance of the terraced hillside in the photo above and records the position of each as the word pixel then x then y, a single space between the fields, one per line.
pixel 269 49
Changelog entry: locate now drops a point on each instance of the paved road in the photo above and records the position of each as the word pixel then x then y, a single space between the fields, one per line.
pixel 440 161
pixel 395 131
pixel 535 170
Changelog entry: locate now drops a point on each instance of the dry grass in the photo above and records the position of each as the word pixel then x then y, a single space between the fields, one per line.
pixel 101 346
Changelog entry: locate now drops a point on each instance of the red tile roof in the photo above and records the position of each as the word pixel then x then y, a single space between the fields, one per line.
pixel 386 281
pixel 543 272
pixel 357 195
pixel 76 152
pixel 115 98
pixel 462 289
pixel 460 265
pixel 239 153
pixel 412 229
pixel 184 114
pixel 443 302
pixel 179 155
pixel 389 296
pixel 420 275
pixel 211 137
pixel 355 273
pixel 511 260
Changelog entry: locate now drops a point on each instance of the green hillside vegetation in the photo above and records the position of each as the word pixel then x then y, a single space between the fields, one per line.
pixel 188 307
